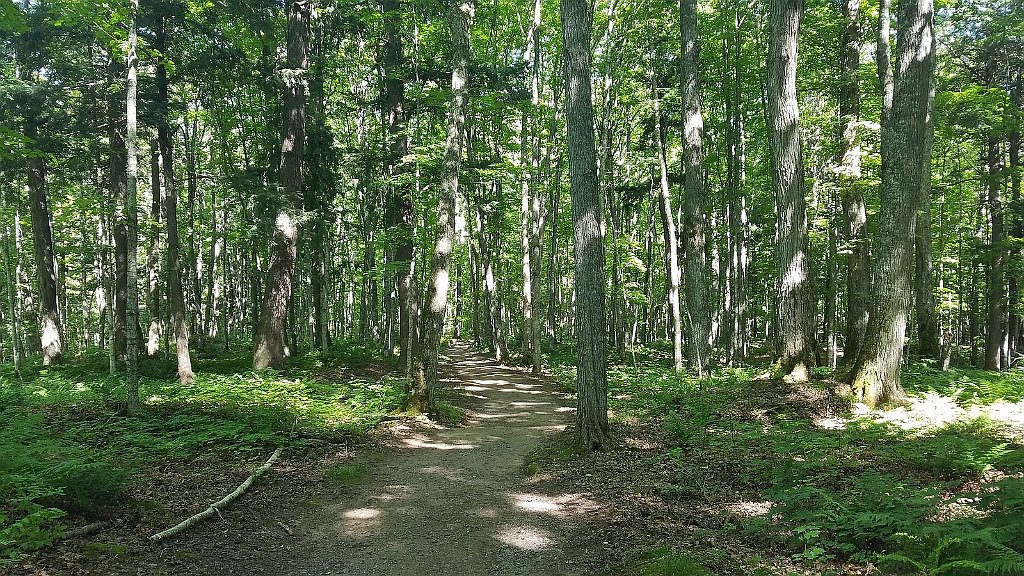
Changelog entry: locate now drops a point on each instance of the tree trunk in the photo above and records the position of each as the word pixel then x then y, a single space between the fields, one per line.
pixel 153 257
pixel 175 293
pixel 795 300
pixel 875 377
pixel 927 313
pixel 460 19
pixel 995 285
pixel 738 219
pixel 857 249
pixel 591 376
pixel 118 170
pixel 668 227
pixel 399 202
pixel 51 338
pixel 269 351
pixel 131 212
pixel 1015 329
pixel 698 313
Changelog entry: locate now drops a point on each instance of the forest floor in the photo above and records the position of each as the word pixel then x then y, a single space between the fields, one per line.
pixel 426 500
pixel 734 475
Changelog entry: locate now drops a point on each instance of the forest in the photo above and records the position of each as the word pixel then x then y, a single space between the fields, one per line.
pixel 515 287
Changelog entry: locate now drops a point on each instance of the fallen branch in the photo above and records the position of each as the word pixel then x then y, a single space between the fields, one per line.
pixel 84 530
pixel 216 506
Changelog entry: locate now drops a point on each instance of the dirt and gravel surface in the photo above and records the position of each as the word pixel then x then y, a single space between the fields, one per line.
pixel 432 501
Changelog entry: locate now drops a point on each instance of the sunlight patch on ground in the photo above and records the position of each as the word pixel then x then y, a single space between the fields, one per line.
pixel 475 388
pixel 360 522
pixel 419 443
pixel 748 509
pixel 518 391
pixel 931 410
pixel 362 513
pixel 559 506
pixel 537 503
pixel 488 382
pixel 524 537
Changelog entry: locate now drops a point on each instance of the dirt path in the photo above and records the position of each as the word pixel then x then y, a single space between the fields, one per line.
pixel 444 501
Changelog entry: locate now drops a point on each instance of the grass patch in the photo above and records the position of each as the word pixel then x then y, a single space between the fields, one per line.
pixel 448 414
pixel 660 562
pixel 560 449
pixel 345 474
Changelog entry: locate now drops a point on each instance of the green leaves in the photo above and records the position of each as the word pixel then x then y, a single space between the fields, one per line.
pixel 11 18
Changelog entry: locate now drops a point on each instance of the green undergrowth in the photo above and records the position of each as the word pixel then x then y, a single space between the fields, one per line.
pixel 67 446
pixel 659 562
pixel 834 490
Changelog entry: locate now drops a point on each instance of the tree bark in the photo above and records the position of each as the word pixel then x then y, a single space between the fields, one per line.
pixel 51 335
pixel 668 227
pixel 856 248
pixel 591 377
pixel 1015 329
pixel 269 351
pixel 153 257
pixel 117 168
pixel 927 313
pixel 175 293
pixel 795 300
pixel 996 282
pixel 460 19
pixel 399 202
pixel 698 313
pixel 131 212
pixel 875 377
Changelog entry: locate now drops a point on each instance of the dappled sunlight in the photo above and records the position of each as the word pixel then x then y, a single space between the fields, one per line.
pixel 524 537
pixel 419 443
pixel 931 411
pixel 362 514
pixel 487 382
pixel 749 509
pixel 558 506
pixel 361 523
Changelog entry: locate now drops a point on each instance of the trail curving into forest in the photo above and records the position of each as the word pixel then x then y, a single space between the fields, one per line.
pixel 442 501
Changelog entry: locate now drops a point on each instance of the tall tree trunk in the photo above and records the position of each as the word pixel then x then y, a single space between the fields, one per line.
pixel 996 284
pixel 668 227
pixel 1015 330
pixel 269 351
pixel 857 249
pixel 460 19
pixel 875 377
pixel 698 313
pixel 153 257
pixel 399 202
pixel 175 293
pixel 131 210
pixel 591 376
pixel 737 207
pixel 795 300
pixel 118 170
pixel 51 336
pixel 927 313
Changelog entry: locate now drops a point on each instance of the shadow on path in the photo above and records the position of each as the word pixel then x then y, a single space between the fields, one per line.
pixel 444 501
